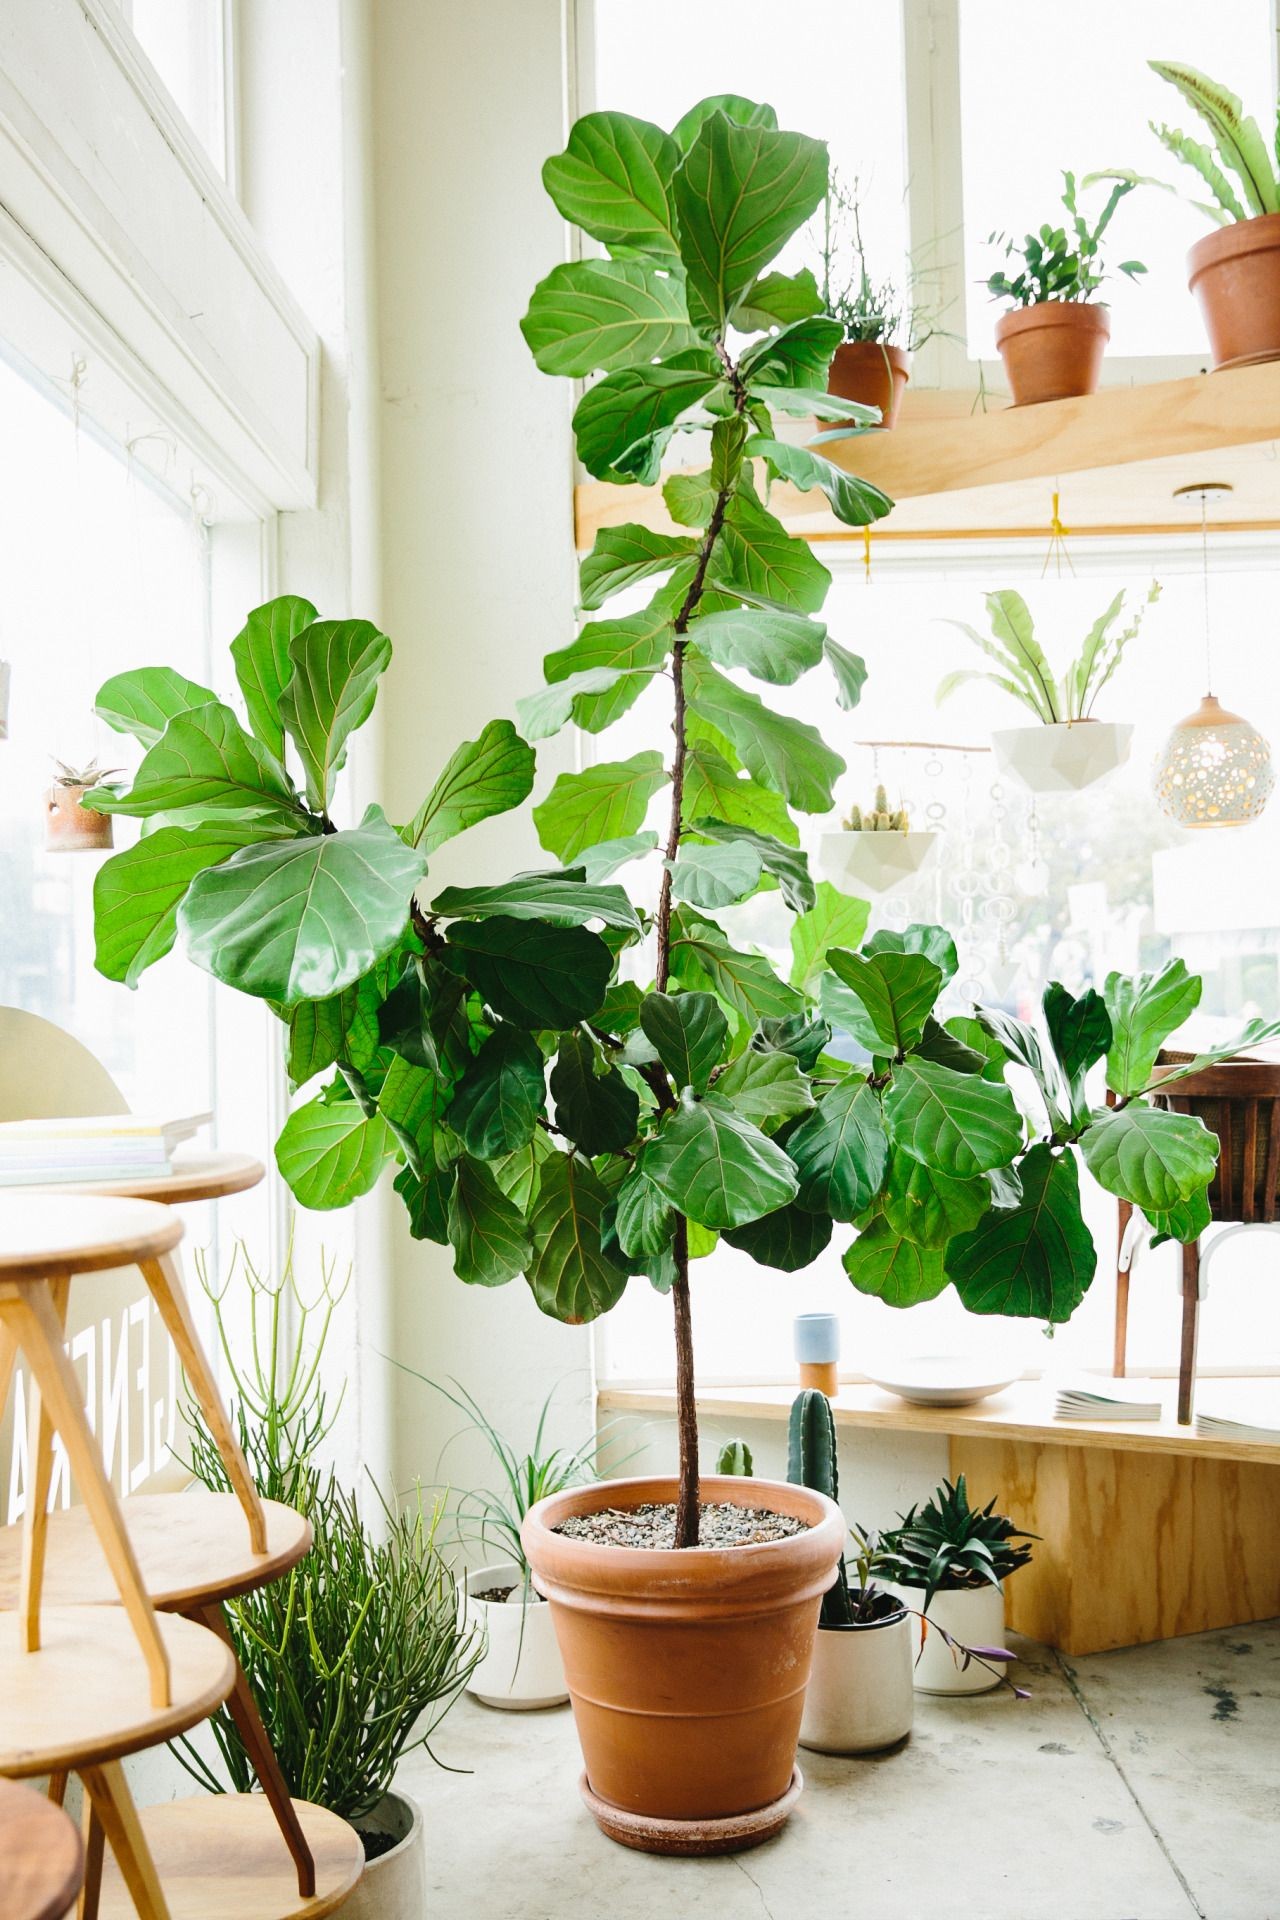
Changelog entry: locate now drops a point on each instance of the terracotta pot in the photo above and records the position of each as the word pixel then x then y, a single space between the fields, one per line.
pixel 872 374
pixel 1234 272
pixel 71 828
pixel 687 1669
pixel 1053 351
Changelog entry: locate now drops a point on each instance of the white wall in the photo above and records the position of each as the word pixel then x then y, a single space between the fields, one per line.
pixel 477 562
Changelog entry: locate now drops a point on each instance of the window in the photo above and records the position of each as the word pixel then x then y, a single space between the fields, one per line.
pixel 186 42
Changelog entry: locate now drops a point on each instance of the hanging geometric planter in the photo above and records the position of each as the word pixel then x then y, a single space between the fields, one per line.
pixel 69 827
pixel 1063 758
pixel 876 861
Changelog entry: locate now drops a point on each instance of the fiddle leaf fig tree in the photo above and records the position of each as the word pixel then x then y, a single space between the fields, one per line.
pixel 574 1088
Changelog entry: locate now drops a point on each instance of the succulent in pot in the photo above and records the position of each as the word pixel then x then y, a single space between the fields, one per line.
pixel 877 847
pixel 1054 334
pixel 69 825
pixel 1068 749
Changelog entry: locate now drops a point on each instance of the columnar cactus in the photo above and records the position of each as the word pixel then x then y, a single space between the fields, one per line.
pixel 735 1458
pixel 811 1462
pixel 880 818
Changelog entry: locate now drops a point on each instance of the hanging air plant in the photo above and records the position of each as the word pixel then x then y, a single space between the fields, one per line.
pixel 70 827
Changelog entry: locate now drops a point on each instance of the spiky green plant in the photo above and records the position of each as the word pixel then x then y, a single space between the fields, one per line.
pixel 947 1544
pixel 735 1458
pixel 812 1463
pixel 1025 672
pixel 879 817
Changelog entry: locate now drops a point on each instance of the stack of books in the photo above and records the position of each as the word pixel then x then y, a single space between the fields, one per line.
pixel 1118 1400
pixel 101 1147
pixel 1253 1416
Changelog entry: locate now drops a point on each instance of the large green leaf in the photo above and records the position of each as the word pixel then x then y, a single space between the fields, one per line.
pixel 757 559
pixel 426 1200
pixel 413 1101
pixel 777 300
pixel 788 865
pixel 701 954
pixel 594 1106
pixel 856 502
pixel 689 1033
pixel 715 1167
pixel 1254 1033
pixel 329 1153
pixel 532 974
pixel 798 356
pixel 643 1222
pixel 263 663
pixel 204 759
pixel 774 646
pixel 789 1239
pixel 898 991
pixel 608 856
pixel 144 701
pixel 485 776
pixel 780 752
pixel 300 919
pixel 734 106
pixel 631 644
pixel 715 876
pixel 601 803
pixel 1021 1044
pixel 613 181
pixel 541 896
pixel 624 422
pixel 957 1122
pixel 496 1104
pixel 1080 1030
pixel 594 315
pixel 1145 1009
pixel 136 893
pixel 765 1087
pixel 935 943
pixel 840 1150
pixel 1148 1156
pixel 572 1276
pixel 894 1269
pixel 850 671
pixel 835 920
pixel 740 194
pixel 713 789
pixel 1187 1221
pixel 1033 1261
pixel 336 668
pixel 622 556
pixel 490 1241
pixel 931 1207
pixel 594 699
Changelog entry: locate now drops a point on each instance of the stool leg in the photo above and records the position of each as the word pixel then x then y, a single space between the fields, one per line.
pixel 35 1526
pixel 1124 1215
pixel 40 1336
pixel 92 1835
pixel 244 1711
pixel 163 1279
pixel 1190 1329
pixel 108 1790
pixel 8 1360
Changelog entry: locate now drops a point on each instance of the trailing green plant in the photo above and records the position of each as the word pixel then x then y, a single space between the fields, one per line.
pixel 1060 262
pixel 1238 147
pixel 735 1458
pixel 947 1545
pixel 1025 673
pixel 356 1655
pixel 880 817
pixel 876 310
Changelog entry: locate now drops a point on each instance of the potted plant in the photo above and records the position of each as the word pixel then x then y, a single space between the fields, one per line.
pixel 882 326
pixel 1234 271
pixel 70 826
pixel 1068 749
pixel 876 847
pixel 356 1655
pixel 1053 336
pixel 949 1562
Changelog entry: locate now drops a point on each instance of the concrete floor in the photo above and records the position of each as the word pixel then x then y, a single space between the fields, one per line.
pixel 1140 1785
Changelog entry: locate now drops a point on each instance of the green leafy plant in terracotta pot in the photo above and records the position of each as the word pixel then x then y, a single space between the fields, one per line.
pixel 884 324
pixel 1055 331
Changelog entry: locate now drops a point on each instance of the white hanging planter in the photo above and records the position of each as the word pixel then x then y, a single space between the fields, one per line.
pixel 860 1695
pixel 394 1886
pixel 1065 758
pixel 521 1667
pixel 972 1615
pixel 877 861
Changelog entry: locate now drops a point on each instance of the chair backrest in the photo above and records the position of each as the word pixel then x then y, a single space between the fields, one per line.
pixel 1239 1100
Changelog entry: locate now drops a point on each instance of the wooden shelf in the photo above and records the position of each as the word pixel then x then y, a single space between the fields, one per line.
pixel 1115 457
pixel 1022 1412
pixel 219 1856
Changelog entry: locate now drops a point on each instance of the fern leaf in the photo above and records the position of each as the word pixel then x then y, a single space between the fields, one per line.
pixel 1021 694
pixel 1239 142
pixel 1011 622
pixel 1190 151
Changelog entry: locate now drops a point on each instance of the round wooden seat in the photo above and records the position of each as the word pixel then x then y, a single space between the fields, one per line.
pixel 192 1550
pixel 44 1233
pixel 41 1859
pixel 219 1856
pixel 85 1697
pixel 195 1176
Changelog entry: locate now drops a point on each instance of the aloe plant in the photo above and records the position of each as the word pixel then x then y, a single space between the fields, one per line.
pixel 947 1544
pixel 1024 671
pixel 1238 147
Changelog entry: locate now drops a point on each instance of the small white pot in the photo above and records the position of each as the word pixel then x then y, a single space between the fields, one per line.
pixel 877 861
pixel 394 1886
pixel 1064 758
pixel 521 1667
pixel 972 1615
pixel 860 1692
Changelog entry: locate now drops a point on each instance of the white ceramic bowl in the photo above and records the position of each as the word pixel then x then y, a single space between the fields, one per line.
pixel 944 1380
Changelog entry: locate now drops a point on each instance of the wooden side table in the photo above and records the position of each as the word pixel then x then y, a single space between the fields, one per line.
pixel 41 1859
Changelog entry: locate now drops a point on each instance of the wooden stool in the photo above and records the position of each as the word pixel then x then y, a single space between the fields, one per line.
pixel 41 1859
pixel 218 1856
pixel 193 1555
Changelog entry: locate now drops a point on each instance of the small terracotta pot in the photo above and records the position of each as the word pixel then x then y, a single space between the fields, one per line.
pixel 71 828
pixel 872 374
pixel 686 1668
pixel 1053 351
pixel 1234 273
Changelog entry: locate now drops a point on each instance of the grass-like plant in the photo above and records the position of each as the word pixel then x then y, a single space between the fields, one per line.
pixel 1060 262
pixel 1238 147
pixel 946 1544
pixel 868 309
pixel 1025 673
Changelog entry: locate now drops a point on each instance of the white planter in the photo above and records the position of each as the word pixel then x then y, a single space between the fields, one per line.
pixel 394 1886
pixel 877 861
pixel 1065 758
pixel 860 1689
pixel 974 1616
pixel 521 1667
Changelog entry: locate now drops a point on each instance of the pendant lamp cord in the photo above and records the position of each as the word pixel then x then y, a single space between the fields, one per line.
pixel 1204 585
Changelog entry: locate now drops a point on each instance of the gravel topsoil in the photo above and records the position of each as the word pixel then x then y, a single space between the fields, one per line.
pixel 720 1524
